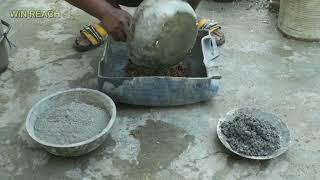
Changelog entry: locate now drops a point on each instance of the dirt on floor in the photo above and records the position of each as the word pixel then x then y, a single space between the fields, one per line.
pixel 257 4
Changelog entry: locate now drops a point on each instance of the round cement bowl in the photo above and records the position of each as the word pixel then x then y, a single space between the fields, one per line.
pixel 87 96
pixel 284 132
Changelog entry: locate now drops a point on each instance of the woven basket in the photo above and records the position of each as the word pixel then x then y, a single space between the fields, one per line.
pixel 300 19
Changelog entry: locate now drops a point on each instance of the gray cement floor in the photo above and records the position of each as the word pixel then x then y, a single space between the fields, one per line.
pixel 259 66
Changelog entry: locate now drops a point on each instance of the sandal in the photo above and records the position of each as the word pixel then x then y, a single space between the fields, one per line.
pixel 213 28
pixel 91 36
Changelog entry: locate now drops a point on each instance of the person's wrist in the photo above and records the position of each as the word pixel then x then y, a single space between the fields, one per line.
pixel 106 13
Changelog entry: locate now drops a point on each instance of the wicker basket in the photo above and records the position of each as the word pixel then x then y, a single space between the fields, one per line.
pixel 300 19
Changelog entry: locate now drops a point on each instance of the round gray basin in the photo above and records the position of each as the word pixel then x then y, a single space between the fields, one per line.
pixel 79 95
pixel 281 127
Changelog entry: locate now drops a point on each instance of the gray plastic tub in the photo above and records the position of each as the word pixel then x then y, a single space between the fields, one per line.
pixel 160 90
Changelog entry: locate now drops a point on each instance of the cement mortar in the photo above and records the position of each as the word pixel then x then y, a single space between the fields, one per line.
pixel 251 136
pixel 179 70
pixel 71 123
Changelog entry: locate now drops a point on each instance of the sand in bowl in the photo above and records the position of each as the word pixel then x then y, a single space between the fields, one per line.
pixel 180 70
pixel 70 123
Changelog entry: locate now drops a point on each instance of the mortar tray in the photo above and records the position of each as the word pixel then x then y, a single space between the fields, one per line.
pixel 201 85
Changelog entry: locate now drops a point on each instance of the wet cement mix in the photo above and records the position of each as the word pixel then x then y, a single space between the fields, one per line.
pixel 179 70
pixel 70 123
pixel 251 136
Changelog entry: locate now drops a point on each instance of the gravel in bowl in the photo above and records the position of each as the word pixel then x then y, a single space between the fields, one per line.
pixel 71 123
pixel 253 134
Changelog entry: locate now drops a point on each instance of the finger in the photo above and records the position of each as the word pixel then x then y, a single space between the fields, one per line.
pixel 129 18
pixel 122 36
pixel 115 36
pixel 126 31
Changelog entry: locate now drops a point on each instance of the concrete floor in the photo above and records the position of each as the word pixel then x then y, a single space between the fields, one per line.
pixel 259 67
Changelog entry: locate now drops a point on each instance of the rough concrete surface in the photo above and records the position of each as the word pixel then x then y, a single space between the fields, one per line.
pixel 259 67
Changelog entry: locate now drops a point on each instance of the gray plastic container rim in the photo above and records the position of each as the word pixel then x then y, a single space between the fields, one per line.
pixel 207 59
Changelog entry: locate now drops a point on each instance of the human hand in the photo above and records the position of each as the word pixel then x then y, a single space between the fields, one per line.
pixel 117 22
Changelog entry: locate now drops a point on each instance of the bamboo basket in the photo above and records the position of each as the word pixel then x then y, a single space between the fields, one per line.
pixel 300 19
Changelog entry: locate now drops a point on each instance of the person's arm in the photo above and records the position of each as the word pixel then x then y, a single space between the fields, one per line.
pixel 115 21
pixel 96 8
